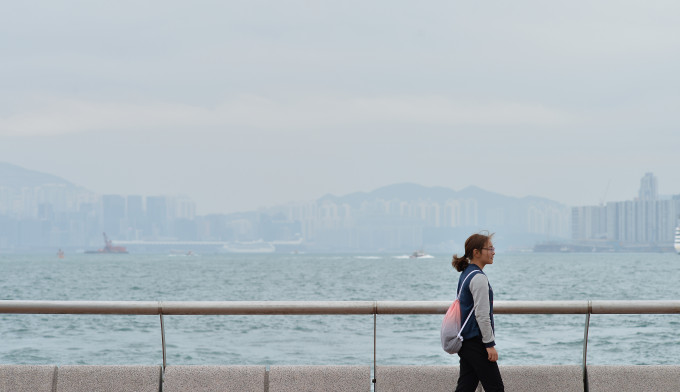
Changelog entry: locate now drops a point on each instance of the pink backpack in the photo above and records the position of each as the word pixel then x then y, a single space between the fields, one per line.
pixel 452 341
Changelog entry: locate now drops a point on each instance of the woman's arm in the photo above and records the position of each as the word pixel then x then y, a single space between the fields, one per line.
pixel 479 287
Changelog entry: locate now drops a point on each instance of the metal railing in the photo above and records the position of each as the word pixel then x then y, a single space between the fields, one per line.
pixel 375 308
pixel 328 307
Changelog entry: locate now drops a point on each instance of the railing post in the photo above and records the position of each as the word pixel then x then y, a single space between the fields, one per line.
pixel 163 341
pixel 375 321
pixel 585 349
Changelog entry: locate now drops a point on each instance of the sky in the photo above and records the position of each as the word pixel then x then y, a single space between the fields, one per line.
pixel 247 104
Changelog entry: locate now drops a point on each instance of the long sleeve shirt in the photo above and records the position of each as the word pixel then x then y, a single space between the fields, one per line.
pixel 476 296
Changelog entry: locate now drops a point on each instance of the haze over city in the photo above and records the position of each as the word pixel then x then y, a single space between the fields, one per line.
pixel 240 105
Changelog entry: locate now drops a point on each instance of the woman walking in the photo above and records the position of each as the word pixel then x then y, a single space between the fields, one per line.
pixel 478 355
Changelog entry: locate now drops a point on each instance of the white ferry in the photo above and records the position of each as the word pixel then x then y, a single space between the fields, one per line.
pixel 419 254
pixel 258 246
pixel 677 239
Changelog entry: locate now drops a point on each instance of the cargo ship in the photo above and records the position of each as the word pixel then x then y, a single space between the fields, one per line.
pixel 108 248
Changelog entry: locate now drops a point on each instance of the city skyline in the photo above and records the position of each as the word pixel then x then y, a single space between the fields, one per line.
pixel 46 211
pixel 648 220
pixel 648 178
pixel 243 105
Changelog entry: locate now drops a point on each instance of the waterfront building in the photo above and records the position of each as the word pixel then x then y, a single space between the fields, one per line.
pixel 646 221
pixel 648 188
pixel 157 216
pixel 184 208
pixel 113 214
pixel 135 211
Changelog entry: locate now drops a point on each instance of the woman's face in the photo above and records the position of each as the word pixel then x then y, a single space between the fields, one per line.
pixel 486 253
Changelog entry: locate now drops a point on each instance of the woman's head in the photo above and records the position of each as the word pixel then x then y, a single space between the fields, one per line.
pixel 475 245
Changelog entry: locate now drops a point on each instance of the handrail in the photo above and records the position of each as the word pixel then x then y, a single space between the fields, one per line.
pixel 375 308
pixel 329 307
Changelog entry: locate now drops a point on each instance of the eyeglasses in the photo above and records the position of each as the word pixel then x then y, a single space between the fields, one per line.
pixel 490 249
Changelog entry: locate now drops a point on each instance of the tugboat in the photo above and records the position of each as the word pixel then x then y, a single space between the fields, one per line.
pixel 108 248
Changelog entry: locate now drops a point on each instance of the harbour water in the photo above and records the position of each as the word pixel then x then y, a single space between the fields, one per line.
pixel 337 339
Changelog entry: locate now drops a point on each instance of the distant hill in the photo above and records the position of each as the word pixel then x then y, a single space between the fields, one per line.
pixel 519 221
pixel 415 192
pixel 12 176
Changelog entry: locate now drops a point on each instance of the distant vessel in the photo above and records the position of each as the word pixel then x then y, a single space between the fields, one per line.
pixel 420 254
pixel 108 247
pixel 176 252
pixel 258 246
pixel 677 239
pixel 60 254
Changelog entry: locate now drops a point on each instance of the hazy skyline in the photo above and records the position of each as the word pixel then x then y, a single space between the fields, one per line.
pixel 240 105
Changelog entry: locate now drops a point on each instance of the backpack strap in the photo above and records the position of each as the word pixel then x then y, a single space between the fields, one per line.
pixel 457 297
pixel 463 284
pixel 463 326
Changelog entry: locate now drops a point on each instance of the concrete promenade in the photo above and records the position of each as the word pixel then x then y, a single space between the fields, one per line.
pixel 140 378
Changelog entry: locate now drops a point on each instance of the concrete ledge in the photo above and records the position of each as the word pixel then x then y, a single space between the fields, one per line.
pixel 214 379
pixel 47 378
pixel 86 378
pixel 535 378
pixel 416 378
pixel 633 378
pixel 445 378
pixel 320 378
pixel 27 378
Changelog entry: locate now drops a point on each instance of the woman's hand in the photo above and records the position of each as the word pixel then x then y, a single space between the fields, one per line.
pixel 493 354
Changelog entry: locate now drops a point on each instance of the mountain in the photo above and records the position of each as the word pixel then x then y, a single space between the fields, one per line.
pixel 16 177
pixel 446 215
pixel 413 192
pixel 404 192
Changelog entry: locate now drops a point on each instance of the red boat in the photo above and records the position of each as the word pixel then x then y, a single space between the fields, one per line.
pixel 108 247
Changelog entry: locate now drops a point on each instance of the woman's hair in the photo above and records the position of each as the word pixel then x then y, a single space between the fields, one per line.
pixel 475 241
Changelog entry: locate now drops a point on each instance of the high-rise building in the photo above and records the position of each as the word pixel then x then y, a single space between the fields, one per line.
pixel 113 213
pixel 648 188
pixel 157 215
pixel 135 210
pixel 135 216
pixel 184 208
pixel 644 221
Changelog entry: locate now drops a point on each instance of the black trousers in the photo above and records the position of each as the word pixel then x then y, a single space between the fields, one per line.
pixel 475 367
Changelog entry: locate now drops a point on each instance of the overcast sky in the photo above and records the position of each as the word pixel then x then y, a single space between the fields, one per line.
pixel 244 104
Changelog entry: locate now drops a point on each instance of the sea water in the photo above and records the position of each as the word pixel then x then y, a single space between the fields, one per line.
pixel 330 339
